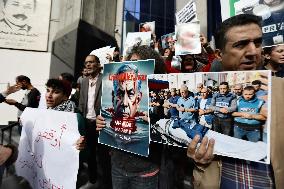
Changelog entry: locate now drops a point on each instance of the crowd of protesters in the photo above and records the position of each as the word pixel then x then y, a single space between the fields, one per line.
pixel 219 109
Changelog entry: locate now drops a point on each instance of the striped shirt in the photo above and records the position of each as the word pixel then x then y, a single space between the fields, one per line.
pixel 241 174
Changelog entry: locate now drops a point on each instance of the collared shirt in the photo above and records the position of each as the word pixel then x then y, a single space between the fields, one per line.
pixel 186 103
pixel 91 113
pixel 241 174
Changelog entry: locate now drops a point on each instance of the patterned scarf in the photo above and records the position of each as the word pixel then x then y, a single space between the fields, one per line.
pixel 66 106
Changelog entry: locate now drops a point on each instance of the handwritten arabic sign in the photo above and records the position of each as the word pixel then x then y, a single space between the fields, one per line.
pixel 47 138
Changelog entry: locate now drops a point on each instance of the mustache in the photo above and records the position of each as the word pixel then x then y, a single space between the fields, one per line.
pixel 22 16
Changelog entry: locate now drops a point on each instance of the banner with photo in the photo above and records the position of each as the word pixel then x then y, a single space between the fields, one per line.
pixel 125 106
pixel 187 13
pixel 24 24
pixel 231 107
pixel 136 38
pixel 168 40
pixel 147 27
pixel 271 11
pixel 48 137
pixel 187 38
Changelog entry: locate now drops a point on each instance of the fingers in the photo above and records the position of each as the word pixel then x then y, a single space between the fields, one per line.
pixel 204 153
pixel 100 123
pixel 202 149
pixel 192 147
pixel 209 153
pixel 81 143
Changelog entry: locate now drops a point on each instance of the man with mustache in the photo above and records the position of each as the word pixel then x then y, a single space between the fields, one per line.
pixel 239 40
pixel 16 15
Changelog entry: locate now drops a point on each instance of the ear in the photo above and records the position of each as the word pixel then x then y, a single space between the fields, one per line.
pixel 218 54
pixel 139 97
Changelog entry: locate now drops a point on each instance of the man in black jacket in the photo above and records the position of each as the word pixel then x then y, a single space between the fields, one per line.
pixel 31 98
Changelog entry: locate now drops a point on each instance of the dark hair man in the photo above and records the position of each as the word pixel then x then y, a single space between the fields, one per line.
pixel 249 116
pixel 239 41
pixel 31 98
pixel 223 104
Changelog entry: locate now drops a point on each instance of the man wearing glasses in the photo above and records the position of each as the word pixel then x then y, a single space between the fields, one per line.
pixel 89 105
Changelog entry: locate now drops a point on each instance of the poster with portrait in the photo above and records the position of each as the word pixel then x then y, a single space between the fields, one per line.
pixel 24 24
pixel 233 108
pixel 125 106
pixel 147 27
pixel 168 40
pixel 136 38
pixel 187 38
pixel 271 12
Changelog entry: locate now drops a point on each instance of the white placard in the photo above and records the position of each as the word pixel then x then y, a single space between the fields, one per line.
pixel 47 154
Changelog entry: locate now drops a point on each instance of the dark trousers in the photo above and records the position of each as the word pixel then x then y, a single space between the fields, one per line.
pixel 223 125
pixel 99 166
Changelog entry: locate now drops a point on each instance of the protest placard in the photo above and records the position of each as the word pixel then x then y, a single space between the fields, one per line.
pixel 136 38
pixel 48 137
pixel 125 106
pixel 147 27
pixel 105 54
pixel 230 107
pixel 187 13
pixel 188 39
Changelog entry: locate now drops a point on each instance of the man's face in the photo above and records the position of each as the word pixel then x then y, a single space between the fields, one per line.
pixel 127 99
pixel 248 94
pixel 184 93
pixel 204 93
pixel 256 87
pixel 243 48
pixel 22 84
pixel 188 62
pixel 199 87
pixel 91 65
pixel 238 90
pixel 54 97
pixel 18 12
pixel 223 89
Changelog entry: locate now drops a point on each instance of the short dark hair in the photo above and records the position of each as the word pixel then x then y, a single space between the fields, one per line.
pixel 249 88
pixel 238 20
pixel 145 52
pixel 60 85
pixel 68 77
pixel 224 83
pixel 21 78
pixel 256 82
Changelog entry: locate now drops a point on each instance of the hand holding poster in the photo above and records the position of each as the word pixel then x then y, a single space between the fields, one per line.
pixel 188 39
pixel 47 138
pixel 125 106
pixel 235 119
